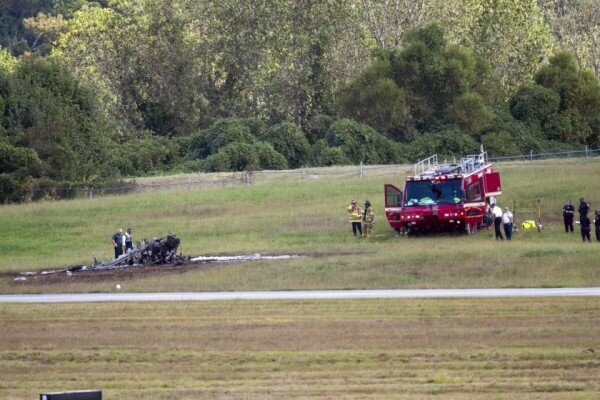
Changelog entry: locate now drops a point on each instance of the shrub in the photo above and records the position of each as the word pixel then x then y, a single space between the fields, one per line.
pixel 357 141
pixel 500 144
pixel 227 131
pixel 469 112
pixel 268 157
pixel 288 140
pixel 558 127
pixel 534 103
pixel 451 142
pixel 318 127
pixel 9 189
pixel 325 156
pixel 152 154
pixel 217 163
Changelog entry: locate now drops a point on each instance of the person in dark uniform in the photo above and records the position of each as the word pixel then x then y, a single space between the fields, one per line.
pixel 597 224
pixel 117 240
pixel 568 214
pixel 585 228
pixel 583 208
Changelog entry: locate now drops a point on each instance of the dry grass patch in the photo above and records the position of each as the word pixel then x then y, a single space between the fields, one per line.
pixel 470 348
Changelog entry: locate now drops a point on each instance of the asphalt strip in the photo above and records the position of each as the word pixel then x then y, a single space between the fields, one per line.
pixel 299 295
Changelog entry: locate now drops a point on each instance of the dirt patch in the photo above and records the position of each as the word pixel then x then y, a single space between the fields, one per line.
pixel 58 276
pixel 107 275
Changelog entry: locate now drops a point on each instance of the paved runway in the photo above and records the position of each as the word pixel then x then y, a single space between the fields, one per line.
pixel 299 295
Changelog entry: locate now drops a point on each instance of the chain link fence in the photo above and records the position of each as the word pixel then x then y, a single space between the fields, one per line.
pixel 359 172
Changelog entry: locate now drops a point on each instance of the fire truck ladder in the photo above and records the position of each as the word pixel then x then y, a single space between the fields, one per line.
pixel 473 162
pixel 426 166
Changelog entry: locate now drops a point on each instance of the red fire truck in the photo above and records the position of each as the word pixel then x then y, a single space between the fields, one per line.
pixel 442 198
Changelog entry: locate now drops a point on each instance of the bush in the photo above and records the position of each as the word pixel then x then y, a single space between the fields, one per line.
pixel 152 154
pixel 9 192
pixel 469 112
pixel 227 131
pixel 222 133
pixel 325 156
pixel 558 127
pixel 500 144
pixel 217 163
pixel 244 156
pixel 318 127
pixel 268 157
pixel 534 104
pixel 451 142
pixel 19 159
pixel 357 141
pixel 288 140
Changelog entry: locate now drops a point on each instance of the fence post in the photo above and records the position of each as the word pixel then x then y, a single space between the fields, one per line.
pixel 248 178
pixel 586 153
pixel 360 171
pixel 531 155
pixel 91 195
pixel 189 182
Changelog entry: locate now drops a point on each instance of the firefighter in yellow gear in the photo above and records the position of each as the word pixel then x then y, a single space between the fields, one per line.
pixel 368 217
pixel 355 217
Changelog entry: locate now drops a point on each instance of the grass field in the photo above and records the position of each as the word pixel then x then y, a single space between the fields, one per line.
pixel 308 218
pixel 533 348
pixel 368 349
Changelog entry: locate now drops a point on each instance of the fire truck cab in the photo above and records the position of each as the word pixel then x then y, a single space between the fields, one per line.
pixel 443 198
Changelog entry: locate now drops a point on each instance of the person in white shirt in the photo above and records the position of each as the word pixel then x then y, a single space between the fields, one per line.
pixel 507 221
pixel 497 213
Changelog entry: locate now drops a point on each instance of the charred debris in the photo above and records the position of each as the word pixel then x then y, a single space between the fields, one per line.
pixel 157 252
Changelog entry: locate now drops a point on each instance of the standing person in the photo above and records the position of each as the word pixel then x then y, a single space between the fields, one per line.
pixel 568 214
pixel 368 217
pixel 597 225
pixel 117 240
pixel 585 228
pixel 497 213
pixel 355 217
pixel 507 221
pixel 583 208
pixel 128 240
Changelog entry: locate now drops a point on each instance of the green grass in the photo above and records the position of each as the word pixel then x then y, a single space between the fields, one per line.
pixel 534 348
pixel 308 218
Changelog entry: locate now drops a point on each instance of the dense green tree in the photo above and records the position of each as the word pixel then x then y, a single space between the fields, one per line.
pixel 375 99
pixel 534 104
pixel 13 35
pixel 579 92
pixel 434 75
pixel 50 112
pixel 575 25
pixel 469 112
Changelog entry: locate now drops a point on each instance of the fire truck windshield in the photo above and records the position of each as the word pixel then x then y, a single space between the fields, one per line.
pixel 423 193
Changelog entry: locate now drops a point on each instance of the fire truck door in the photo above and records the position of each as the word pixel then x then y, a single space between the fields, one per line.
pixel 491 184
pixel 393 196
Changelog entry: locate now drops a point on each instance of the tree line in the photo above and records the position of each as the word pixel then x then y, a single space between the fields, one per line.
pixel 93 91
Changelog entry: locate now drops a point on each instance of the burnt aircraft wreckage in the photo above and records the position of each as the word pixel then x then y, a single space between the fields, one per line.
pixel 159 252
